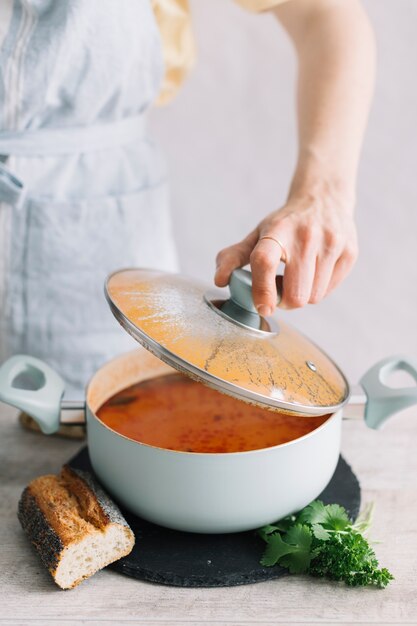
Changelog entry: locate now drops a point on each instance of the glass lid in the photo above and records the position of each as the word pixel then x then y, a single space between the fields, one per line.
pixel 217 338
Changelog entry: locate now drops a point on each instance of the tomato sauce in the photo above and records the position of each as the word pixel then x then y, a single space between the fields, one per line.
pixel 177 413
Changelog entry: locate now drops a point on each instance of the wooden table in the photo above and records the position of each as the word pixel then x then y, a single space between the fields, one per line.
pixel 386 463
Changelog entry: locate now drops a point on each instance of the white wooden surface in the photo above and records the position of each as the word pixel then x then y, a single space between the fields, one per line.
pixel 386 463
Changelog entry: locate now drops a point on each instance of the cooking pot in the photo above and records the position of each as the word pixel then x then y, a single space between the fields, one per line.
pixel 208 492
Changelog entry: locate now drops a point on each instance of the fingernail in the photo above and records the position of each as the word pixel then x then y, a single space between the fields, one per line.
pixel 264 310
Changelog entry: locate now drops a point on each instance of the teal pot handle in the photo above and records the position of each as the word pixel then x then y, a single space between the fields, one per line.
pixel 32 386
pixel 384 401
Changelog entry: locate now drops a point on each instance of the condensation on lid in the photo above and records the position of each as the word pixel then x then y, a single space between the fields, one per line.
pixel 168 315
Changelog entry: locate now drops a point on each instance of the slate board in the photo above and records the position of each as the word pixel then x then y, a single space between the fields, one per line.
pixel 180 559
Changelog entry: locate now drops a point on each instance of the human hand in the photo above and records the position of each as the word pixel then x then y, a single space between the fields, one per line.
pixel 318 234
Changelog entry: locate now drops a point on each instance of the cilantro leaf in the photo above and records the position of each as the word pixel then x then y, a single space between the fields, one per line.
pixel 292 551
pixel 269 529
pixel 275 550
pixel 298 561
pixel 299 535
pixel 314 513
pixel 266 530
pixel 332 516
pixel 320 533
pixel 337 518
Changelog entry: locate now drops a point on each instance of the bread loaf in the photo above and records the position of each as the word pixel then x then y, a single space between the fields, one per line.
pixel 69 431
pixel 74 525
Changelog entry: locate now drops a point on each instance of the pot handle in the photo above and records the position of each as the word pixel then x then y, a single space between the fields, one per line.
pixel 38 392
pixel 384 401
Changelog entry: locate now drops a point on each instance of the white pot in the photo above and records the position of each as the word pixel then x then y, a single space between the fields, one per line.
pixel 197 492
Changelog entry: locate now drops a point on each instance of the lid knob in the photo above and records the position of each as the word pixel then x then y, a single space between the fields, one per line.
pixel 240 285
pixel 240 307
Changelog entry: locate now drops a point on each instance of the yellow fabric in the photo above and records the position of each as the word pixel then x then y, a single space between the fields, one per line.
pixel 257 6
pixel 173 18
pixel 174 21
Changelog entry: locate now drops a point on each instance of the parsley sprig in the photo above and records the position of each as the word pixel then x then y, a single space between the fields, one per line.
pixel 322 541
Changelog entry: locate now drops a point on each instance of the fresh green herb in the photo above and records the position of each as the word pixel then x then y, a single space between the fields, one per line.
pixel 322 541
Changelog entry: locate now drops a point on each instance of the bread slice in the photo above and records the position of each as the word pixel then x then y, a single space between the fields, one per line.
pixel 74 525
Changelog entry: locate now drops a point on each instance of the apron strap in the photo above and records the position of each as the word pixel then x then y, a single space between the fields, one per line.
pixel 72 139
pixel 60 141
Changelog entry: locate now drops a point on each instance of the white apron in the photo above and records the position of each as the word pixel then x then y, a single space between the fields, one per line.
pixel 82 187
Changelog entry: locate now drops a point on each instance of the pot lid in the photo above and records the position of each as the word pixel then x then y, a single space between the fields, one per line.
pixel 217 338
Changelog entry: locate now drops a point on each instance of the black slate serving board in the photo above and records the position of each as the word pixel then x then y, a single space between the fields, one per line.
pixel 170 557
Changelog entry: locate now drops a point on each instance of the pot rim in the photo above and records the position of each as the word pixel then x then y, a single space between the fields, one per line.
pixel 202 454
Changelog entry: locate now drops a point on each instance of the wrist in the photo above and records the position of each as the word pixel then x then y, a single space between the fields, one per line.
pixel 323 182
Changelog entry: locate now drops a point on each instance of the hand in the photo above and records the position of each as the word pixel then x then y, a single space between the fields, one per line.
pixel 318 233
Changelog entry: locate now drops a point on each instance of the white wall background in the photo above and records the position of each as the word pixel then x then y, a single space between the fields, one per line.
pixel 230 142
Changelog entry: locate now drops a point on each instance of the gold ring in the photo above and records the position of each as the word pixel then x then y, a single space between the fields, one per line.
pixel 284 254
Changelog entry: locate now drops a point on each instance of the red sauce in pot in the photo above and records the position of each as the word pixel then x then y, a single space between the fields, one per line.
pixel 177 413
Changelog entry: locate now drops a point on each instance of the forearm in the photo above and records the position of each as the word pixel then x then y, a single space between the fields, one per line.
pixel 314 233
pixel 336 58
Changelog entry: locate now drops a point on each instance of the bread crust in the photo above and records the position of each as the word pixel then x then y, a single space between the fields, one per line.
pixel 59 512
pixel 41 533
pixel 95 504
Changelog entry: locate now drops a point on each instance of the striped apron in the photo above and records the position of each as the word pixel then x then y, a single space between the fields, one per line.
pixel 82 186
